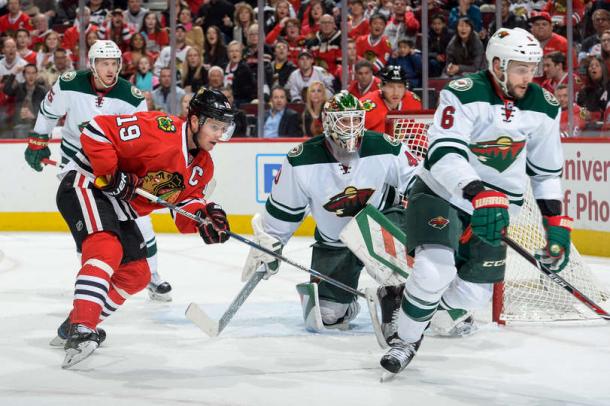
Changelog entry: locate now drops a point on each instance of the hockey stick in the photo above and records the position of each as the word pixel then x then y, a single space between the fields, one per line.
pixel 213 328
pixel 48 161
pixel 571 289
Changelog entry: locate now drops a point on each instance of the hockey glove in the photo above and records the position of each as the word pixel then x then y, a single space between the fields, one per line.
pixel 257 258
pixel 37 150
pixel 215 226
pixel 490 216
pixel 122 185
pixel 556 255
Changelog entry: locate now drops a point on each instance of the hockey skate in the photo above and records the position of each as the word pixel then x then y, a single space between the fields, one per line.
pixel 452 323
pixel 63 331
pixel 81 343
pixel 343 323
pixel 160 292
pixel 400 354
pixel 389 298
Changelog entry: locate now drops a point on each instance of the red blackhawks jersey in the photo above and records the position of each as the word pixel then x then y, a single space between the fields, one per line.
pixel 377 110
pixel 153 146
pixel 377 52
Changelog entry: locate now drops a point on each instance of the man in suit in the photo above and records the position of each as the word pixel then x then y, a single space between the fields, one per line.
pixel 281 121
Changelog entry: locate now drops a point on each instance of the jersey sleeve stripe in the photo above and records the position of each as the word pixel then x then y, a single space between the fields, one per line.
pixel 292 210
pixel 278 213
pixel 47 114
pixel 538 170
pixel 448 142
pixel 439 153
pixel 95 135
pixel 513 198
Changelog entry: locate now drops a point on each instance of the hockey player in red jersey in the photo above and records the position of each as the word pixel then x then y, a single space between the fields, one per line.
pixel 393 96
pixel 159 153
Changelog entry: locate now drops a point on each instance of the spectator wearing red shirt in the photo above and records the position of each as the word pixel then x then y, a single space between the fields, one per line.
pixel 71 36
pixel 290 31
pixel 554 66
pixel 24 41
pixel 402 24
pixel 15 19
pixel 326 44
pixel 41 28
pixel 561 93
pixel 117 30
pixel 358 25
pixel 155 36
pixel 375 47
pixel 557 10
pixel 365 81
pixel 311 19
pixel 542 30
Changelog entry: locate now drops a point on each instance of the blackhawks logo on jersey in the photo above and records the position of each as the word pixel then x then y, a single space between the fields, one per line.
pixel 165 185
pixel 499 154
pixel 349 202
pixel 166 124
pixel 368 104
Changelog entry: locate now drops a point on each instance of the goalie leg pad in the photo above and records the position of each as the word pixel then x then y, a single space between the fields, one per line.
pixel 341 265
pixel 310 303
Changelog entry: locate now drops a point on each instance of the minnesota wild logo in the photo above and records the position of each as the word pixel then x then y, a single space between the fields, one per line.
pixel 499 154
pixel 166 124
pixel 349 202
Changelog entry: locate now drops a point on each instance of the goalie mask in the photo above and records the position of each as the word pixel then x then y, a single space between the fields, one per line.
pixel 211 104
pixel 105 49
pixel 343 120
pixel 511 45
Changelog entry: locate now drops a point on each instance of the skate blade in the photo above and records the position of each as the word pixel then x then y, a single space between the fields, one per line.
pixel 74 356
pixel 57 342
pixel 160 297
pixel 387 376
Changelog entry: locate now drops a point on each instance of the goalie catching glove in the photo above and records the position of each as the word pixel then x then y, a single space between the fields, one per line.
pixel 257 258
pixel 215 227
pixel 556 255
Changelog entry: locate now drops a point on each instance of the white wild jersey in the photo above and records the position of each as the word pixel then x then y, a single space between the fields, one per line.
pixel 73 95
pixel 476 134
pixel 312 180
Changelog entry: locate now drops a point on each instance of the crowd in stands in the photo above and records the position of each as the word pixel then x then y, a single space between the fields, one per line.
pixel 217 43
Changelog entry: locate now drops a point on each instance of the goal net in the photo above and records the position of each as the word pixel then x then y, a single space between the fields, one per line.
pixel 526 294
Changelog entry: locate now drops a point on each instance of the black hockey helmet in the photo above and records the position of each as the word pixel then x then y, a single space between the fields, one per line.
pixel 392 73
pixel 207 103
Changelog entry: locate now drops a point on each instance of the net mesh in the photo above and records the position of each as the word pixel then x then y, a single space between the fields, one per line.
pixel 527 294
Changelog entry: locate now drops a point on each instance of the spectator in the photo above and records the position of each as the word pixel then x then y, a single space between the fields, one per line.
pixel 605 48
pixel 542 30
pixel 218 13
pixel 12 63
pixel 282 67
pixel 375 47
pixel 184 105
pixel 438 40
pixel 243 18
pixel 47 8
pixel 283 10
pixel 44 58
pixel 15 19
pixel 117 30
pixel 216 79
pixel 465 8
pixel 326 44
pixel 150 103
pixel 23 41
pixel 251 59
pixel 41 28
pixel 194 33
pixel 593 96
pixel 352 59
pixel 99 11
pixel 365 80
pixel 409 59
pixel 561 93
pixel 403 23
pixel 358 24
pixel 215 50
pixel 61 64
pixel 28 96
pixel 306 74
pixel 71 36
pixel 281 121
pixel 194 75
pixel 592 44
pixel 137 49
pixel 311 22
pixel 156 37
pixel 134 15
pixel 161 94
pixel 385 8
pixel 557 10
pixel 180 4
pixel 143 77
pixel 509 19
pixel 241 123
pixel 289 30
pixel 317 95
pixel 90 38
pixel 238 76
pixel 554 66
pixel 465 52
pixel 166 53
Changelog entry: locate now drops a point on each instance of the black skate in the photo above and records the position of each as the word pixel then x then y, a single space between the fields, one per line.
pixel 63 332
pixel 160 292
pixel 81 343
pixel 389 298
pixel 400 354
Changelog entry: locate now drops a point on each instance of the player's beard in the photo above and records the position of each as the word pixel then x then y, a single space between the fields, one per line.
pixel 512 93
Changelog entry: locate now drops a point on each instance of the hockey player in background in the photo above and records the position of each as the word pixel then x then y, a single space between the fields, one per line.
pixel 159 153
pixel 392 96
pixel 333 176
pixel 81 96
pixel 490 130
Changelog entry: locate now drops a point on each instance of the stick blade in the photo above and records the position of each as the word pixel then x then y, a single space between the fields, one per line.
pixel 200 318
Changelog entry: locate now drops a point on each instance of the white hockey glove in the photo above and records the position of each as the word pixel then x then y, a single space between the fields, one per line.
pixel 257 258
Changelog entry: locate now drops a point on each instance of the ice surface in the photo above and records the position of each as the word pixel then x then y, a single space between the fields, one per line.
pixel 154 356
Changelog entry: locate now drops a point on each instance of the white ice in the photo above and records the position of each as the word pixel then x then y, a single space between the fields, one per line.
pixel 154 356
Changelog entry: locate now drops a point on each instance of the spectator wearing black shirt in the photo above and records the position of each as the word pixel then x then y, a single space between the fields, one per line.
pixel 215 50
pixel 593 96
pixel 465 52
pixel 239 76
pixel 438 39
pixel 28 96
pixel 282 67
pixel 218 13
